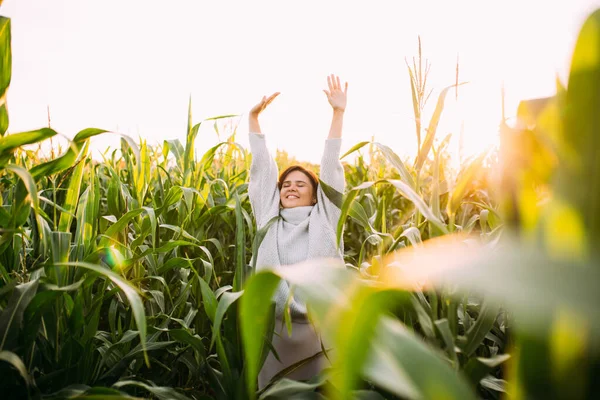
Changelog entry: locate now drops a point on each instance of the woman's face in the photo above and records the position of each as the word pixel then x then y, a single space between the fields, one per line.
pixel 296 190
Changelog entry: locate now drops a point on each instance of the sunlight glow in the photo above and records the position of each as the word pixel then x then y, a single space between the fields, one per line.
pixel 131 66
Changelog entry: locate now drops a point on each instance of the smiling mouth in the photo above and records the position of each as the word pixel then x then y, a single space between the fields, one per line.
pixel 291 196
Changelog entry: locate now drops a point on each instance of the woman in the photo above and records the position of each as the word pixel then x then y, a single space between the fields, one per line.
pixel 305 230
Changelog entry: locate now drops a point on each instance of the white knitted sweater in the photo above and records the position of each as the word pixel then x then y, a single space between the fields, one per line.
pixel 302 232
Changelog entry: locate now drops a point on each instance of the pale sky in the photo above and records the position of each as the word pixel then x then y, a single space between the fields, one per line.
pixel 131 65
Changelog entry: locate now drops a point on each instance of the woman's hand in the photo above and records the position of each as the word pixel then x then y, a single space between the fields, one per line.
pixel 253 124
pixel 336 96
pixel 257 109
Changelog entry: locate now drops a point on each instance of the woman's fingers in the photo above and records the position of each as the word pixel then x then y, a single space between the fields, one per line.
pixel 267 100
pixel 263 103
pixel 334 83
pixel 270 99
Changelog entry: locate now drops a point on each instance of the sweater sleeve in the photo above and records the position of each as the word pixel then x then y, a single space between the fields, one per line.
pixel 332 173
pixel 262 188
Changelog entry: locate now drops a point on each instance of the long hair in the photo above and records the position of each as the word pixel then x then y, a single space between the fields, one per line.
pixel 312 177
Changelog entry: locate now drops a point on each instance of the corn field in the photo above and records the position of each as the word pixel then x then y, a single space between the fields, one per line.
pixel 132 277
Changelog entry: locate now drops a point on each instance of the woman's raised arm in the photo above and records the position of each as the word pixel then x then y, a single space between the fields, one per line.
pixel 253 124
pixel 337 99
pixel 262 188
pixel 332 172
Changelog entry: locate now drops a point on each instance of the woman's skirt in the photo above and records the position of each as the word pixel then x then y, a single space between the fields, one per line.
pixel 303 343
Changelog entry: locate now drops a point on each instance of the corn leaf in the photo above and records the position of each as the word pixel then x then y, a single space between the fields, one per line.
pixel 11 142
pixel 254 316
pixel 72 196
pixel 398 164
pixel 432 128
pixel 12 316
pixel 130 292
pixel 5 58
pixel 404 365
pixel 578 179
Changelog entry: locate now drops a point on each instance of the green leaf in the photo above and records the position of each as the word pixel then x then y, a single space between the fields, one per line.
pixel 478 367
pixel 177 229
pixel 415 103
pixel 72 196
pixel 354 148
pixel 87 133
pixel 464 182
pixel 513 275
pixel 349 199
pixel 222 117
pixel 84 392
pixel 208 157
pixel 577 181
pixel 137 306
pixel 333 195
pixel 5 58
pixel 208 299
pixel 68 288
pixel 188 157
pixel 153 223
pixel 226 301
pixel 258 238
pixel 289 389
pixel 359 214
pixel 41 304
pixel 398 164
pixel 254 317
pixel 11 317
pixel 431 130
pixel 498 385
pixel 443 328
pixel 357 330
pixel 119 227
pixel 176 148
pixel 404 365
pixel 17 363
pixel 425 319
pixel 411 195
pixel 162 392
pixel 59 164
pixel 31 188
pixel 366 395
pixel 60 246
pixel 11 142
pixel 481 327
pixel 3 119
pixel 68 159
pixel 87 211
pixel 175 262
pixel 240 247
pixel 413 235
pixel 184 336
pixel 435 191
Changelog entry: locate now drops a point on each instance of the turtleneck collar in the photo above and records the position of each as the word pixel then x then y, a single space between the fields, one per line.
pixel 295 215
